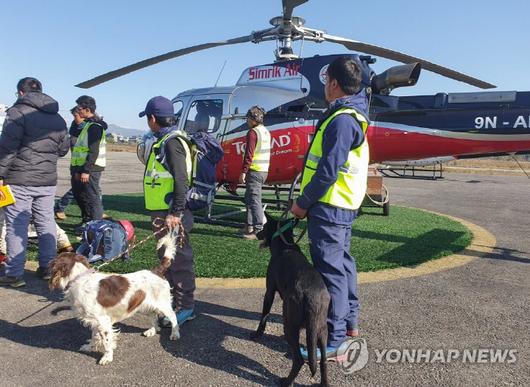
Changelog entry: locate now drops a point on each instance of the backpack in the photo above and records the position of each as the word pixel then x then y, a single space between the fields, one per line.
pixel 206 154
pixel 103 240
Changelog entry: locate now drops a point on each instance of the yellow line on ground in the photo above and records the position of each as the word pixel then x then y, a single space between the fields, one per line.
pixel 483 243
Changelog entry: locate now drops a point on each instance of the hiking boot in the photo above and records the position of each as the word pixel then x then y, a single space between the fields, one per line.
pixel 43 273
pixel 338 354
pixel 246 229
pixel 250 236
pixel 60 215
pixel 14 282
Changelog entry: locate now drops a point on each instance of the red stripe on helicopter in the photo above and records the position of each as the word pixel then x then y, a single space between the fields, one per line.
pixel 392 144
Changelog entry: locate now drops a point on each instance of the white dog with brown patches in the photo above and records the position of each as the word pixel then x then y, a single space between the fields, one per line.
pixel 101 299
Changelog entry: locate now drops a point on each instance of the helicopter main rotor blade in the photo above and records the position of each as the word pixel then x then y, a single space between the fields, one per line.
pixel 404 58
pixel 289 5
pixel 160 58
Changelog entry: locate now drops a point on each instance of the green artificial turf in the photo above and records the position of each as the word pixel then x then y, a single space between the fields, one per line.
pixel 406 237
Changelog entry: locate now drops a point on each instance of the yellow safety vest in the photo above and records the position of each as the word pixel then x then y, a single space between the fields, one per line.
pixel 80 149
pixel 262 153
pixel 349 189
pixel 158 181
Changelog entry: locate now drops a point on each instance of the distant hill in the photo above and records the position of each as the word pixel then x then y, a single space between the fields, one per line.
pixel 116 129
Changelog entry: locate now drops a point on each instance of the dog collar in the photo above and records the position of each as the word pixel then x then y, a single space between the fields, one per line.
pixel 90 271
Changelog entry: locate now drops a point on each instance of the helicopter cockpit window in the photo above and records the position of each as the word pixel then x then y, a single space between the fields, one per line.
pixel 204 115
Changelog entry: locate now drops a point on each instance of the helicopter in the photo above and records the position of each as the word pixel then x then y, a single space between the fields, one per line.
pixel 291 90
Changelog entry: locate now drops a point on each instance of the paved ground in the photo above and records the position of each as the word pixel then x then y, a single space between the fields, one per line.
pixel 483 305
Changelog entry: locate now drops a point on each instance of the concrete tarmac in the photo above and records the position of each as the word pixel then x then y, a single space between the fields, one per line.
pixel 483 305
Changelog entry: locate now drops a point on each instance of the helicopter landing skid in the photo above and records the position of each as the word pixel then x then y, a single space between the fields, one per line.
pixel 225 216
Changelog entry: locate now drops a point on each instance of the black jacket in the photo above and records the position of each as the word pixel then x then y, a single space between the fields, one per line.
pixel 95 133
pixel 33 137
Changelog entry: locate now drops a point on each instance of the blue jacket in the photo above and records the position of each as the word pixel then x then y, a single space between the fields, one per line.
pixel 342 134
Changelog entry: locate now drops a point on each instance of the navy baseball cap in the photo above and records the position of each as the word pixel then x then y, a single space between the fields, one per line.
pixel 159 107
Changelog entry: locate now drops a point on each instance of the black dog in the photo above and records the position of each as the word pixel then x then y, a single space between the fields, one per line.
pixel 305 298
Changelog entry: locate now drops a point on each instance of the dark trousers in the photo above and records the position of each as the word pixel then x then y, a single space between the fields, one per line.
pixel 254 183
pixel 181 273
pixel 329 245
pixel 64 201
pixel 87 196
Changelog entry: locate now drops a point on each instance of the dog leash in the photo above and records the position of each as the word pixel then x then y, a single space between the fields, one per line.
pixel 180 237
pixel 285 227
pixel 37 311
pixel 180 240
pixel 292 223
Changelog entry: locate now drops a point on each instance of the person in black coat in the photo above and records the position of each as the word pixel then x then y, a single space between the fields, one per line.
pixel 33 137
pixel 88 159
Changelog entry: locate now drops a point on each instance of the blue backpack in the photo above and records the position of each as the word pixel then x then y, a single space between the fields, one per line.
pixel 207 153
pixel 103 240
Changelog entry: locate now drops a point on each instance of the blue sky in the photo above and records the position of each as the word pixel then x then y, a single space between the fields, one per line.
pixel 65 42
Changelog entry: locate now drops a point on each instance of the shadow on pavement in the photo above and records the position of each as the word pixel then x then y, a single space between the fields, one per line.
pixel 504 254
pixel 67 335
pixel 36 286
pixel 206 341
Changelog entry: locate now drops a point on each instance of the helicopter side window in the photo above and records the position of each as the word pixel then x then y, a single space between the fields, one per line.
pixel 204 115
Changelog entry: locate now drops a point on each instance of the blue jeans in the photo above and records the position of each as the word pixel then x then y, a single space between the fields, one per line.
pixel 31 203
pixel 64 201
pixel 329 245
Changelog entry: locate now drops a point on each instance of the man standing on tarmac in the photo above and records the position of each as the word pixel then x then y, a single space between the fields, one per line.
pixel 34 136
pixel 88 160
pixel 167 176
pixel 254 170
pixel 332 189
